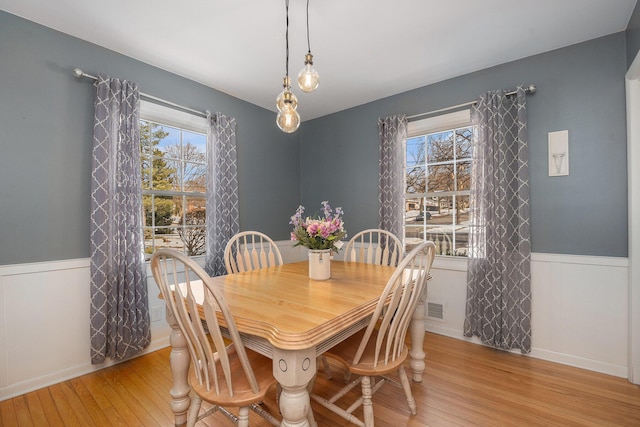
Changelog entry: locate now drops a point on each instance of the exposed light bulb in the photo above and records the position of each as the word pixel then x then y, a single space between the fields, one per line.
pixel 288 119
pixel 286 96
pixel 308 78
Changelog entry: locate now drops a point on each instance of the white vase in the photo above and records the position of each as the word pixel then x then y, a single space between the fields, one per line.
pixel 320 264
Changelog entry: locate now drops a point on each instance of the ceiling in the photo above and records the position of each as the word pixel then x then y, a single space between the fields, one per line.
pixel 363 49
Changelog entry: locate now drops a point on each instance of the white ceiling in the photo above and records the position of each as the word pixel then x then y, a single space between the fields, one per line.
pixel 363 49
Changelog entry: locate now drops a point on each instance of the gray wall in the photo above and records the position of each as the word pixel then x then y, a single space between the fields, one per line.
pixel 580 88
pixel 46 118
pixel 633 35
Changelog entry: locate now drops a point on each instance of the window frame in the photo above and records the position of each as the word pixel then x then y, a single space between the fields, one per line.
pixel 173 117
pixel 430 125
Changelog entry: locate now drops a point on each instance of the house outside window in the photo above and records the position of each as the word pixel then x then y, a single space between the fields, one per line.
pixel 438 172
pixel 173 166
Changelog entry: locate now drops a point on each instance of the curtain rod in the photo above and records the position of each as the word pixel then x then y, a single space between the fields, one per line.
pixel 77 72
pixel 530 89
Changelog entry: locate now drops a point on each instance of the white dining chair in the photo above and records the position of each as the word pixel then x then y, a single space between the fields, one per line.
pixel 223 372
pixel 380 349
pixel 250 250
pixel 374 246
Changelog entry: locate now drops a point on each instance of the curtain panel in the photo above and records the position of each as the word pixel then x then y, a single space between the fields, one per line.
pixel 498 308
pixel 223 217
pixel 119 324
pixel 393 137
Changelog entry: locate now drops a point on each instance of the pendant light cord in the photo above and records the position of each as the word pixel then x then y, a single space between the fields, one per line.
pixel 308 42
pixel 286 36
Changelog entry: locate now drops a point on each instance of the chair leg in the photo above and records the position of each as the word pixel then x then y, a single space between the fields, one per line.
pixel 367 403
pixel 194 410
pixel 325 366
pixel 243 417
pixel 406 386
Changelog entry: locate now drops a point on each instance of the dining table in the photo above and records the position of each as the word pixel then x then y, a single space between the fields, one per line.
pixel 283 314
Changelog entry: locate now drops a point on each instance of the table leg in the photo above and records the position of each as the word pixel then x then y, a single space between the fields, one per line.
pixel 179 361
pixel 294 370
pixel 416 330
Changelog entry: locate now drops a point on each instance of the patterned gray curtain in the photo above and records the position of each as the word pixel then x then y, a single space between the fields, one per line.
pixel 393 137
pixel 498 307
pixel 119 303
pixel 223 218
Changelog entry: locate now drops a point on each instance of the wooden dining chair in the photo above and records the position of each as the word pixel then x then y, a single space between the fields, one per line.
pixel 374 246
pixel 380 349
pixel 223 372
pixel 250 250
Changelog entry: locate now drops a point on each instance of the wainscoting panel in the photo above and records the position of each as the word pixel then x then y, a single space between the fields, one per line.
pixel 579 308
pixel 579 315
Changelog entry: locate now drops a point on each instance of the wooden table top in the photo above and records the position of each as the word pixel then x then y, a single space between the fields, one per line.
pixel 291 311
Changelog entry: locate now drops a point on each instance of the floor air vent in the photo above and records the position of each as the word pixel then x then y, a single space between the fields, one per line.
pixel 435 311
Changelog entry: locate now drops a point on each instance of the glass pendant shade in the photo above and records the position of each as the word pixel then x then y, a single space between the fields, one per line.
pixel 288 119
pixel 285 95
pixel 308 78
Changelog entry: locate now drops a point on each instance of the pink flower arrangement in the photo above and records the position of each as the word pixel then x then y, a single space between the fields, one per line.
pixel 321 232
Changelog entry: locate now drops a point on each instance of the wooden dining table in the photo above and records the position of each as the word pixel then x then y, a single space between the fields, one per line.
pixel 286 316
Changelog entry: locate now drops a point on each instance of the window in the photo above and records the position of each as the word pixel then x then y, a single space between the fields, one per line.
pixel 173 164
pixel 438 172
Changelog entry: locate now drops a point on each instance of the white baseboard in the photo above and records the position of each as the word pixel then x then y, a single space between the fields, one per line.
pixel 538 353
pixel 37 383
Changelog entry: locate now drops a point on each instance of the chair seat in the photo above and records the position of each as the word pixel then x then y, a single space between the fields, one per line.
pixel 242 393
pixel 344 352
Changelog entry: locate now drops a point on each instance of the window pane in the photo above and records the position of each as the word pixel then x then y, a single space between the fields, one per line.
pixel 415 151
pixel 441 178
pixel 169 142
pixel 440 147
pixel 463 143
pixel 195 177
pixel 411 210
pixel 462 226
pixel 193 234
pixel 198 144
pixel 166 174
pixel 464 176
pixel 416 180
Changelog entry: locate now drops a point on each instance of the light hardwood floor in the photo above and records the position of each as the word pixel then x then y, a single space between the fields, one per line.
pixel 464 385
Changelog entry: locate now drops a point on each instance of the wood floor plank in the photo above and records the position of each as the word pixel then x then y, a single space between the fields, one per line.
pixel 464 385
pixel 7 413
pixel 49 408
pixel 130 412
pixel 90 404
pixel 36 410
pixel 21 409
pixel 63 406
pixel 136 401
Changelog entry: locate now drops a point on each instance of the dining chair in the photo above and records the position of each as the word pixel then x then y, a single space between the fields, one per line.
pixel 223 372
pixel 250 250
pixel 374 246
pixel 380 349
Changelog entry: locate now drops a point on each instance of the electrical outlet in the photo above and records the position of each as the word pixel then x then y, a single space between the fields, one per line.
pixel 156 313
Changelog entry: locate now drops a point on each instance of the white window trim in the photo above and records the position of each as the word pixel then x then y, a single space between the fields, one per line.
pixel 172 117
pixel 434 124
pixel 437 123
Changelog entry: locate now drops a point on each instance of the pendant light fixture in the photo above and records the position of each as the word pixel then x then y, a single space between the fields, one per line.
pixel 308 78
pixel 288 119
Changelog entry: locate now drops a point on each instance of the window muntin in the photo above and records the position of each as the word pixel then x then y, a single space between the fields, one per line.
pixel 438 175
pixel 173 167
